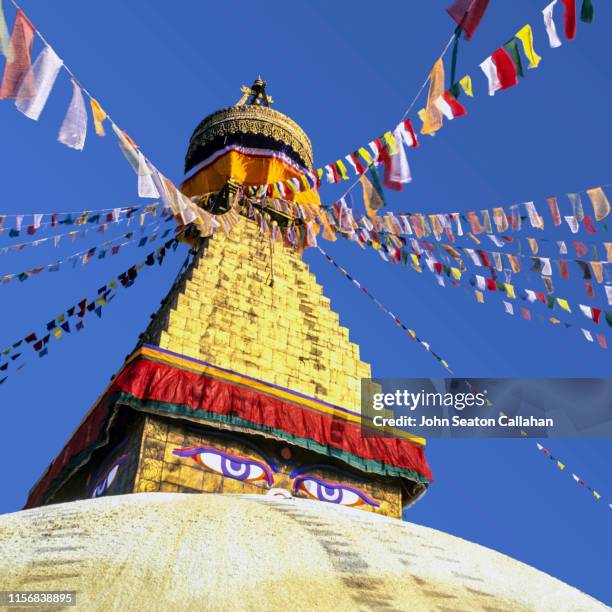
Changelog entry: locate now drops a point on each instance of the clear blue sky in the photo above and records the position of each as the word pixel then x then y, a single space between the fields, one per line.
pixel 345 72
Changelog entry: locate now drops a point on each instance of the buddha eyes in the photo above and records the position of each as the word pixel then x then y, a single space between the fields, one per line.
pixel 246 470
pixel 250 470
pixel 105 483
pixel 320 489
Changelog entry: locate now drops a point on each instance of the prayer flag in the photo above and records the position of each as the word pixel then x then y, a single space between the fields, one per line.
pixel 549 24
pixel 43 73
pixel 74 127
pixel 98 116
pixel 371 197
pixel 468 14
pixel 5 41
pixel 449 106
pixel 432 117
pixel 586 13
pixel 511 48
pixel 601 206
pixel 525 35
pixel 569 19
pixel 466 84
pixel 17 76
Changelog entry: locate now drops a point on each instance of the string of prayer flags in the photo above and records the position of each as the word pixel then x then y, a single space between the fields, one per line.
pixel 468 14
pixel 576 478
pixel 431 115
pixel 74 127
pixel 60 324
pixel 396 319
pixel 17 79
pixel 86 255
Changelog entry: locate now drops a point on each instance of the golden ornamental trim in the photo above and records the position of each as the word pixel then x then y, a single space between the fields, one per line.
pixel 254 119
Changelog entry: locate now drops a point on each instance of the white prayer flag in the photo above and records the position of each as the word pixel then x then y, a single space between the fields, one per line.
pixel 490 70
pixel 549 23
pixel 44 72
pixel 74 127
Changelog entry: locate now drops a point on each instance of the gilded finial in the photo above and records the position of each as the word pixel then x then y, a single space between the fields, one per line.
pixel 255 94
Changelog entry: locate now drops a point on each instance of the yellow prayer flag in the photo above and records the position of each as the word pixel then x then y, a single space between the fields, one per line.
pixel 596 494
pixel 525 35
pixel 373 202
pixel 554 320
pixel 98 116
pixel 501 221
pixel 597 268
pixel 365 155
pixel 473 238
pixel 601 206
pixel 563 303
pixel 342 169
pixel 390 142
pixel 412 334
pixel 466 83
pixel 510 291
pixel 432 121
pixel 608 247
pixel 479 296
pixel 560 465
pixel 533 245
pixel 57 332
pixel 456 273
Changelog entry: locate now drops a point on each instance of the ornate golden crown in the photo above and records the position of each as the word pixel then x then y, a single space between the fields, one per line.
pixel 252 115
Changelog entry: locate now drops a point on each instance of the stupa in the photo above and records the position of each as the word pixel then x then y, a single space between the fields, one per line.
pixel 244 381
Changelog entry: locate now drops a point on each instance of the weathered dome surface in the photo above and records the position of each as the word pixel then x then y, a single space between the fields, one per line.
pixel 173 551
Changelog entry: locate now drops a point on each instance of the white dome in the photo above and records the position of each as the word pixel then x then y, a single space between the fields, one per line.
pixel 168 551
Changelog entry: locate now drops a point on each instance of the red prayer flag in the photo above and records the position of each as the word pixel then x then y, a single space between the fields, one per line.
pixel 491 286
pixel 506 70
pixel 17 73
pixel 554 210
pixel 569 19
pixel 589 226
pixel 526 313
pixel 589 290
pixel 596 312
pixel 468 14
pixel 602 341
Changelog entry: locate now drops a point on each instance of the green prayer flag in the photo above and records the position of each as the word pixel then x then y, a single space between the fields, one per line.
pixel 511 48
pixel 609 318
pixel 587 12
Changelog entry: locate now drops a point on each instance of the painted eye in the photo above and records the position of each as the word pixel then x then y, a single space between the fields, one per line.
pixel 333 493
pixel 246 470
pixel 104 484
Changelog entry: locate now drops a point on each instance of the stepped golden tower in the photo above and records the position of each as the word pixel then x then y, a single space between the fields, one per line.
pixel 244 381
